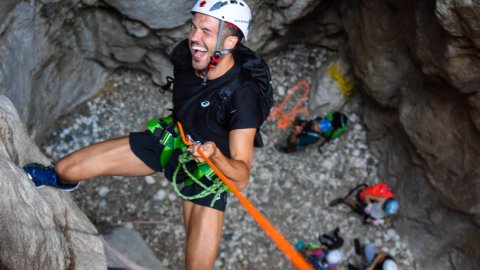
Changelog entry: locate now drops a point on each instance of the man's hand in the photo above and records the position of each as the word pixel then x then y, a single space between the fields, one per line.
pixel 208 149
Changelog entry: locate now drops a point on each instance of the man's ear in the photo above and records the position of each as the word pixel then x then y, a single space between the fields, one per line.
pixel 230 42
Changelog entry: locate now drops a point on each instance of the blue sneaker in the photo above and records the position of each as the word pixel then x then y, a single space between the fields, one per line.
pixel 45 175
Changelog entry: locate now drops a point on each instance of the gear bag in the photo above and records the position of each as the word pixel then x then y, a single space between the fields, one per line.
pixel 255 67
pixel 339 125
pixel 379 190
pixel 339 122
pixel 331 240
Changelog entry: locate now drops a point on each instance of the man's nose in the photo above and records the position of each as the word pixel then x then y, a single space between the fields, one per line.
pixel 195 35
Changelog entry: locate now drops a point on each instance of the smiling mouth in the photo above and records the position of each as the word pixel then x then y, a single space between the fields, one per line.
pixel 198 51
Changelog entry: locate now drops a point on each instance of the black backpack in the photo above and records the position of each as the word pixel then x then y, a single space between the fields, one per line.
pixel 331 240
pixel 339 126
pixel 253 67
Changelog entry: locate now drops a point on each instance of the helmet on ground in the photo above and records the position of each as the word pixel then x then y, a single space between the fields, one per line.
pixel 391 206
pixel 235 12
pixel 325 124
pixel 389 264
pixel 334 256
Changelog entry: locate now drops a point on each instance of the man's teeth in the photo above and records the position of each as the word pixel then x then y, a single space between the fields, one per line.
pixel 196 48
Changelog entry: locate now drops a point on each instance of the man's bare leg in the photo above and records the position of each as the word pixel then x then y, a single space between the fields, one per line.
pixel 203 226
pixel 112 157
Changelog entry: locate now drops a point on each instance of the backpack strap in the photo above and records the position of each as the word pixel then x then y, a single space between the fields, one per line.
pixel 227 91
pixel 224 107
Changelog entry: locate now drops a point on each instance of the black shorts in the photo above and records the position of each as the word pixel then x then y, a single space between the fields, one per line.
pixel 148 149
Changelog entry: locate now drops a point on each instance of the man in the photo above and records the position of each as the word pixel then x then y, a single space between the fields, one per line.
pixel 203 65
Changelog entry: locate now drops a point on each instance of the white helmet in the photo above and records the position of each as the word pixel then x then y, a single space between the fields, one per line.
pixel 389 264
pixel 235 12
pixel 334 256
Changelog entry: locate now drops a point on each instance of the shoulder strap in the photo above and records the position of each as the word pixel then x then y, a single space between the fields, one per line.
pixel 227 91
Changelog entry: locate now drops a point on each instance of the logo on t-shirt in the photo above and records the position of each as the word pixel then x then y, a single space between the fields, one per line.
pixel 205 103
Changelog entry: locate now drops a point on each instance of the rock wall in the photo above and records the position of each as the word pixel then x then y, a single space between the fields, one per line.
pixel 56 54
pixel 39 51
pixel 39 229
pixel 418 64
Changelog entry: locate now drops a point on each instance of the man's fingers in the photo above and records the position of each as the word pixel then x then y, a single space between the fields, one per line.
pixel 207 149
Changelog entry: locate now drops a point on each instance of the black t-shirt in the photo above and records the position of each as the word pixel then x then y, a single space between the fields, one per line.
pixel 196 106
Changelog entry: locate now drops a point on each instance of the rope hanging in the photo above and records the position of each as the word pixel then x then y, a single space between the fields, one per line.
pixel 290 252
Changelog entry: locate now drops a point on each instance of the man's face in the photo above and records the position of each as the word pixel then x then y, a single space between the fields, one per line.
pixel 202 39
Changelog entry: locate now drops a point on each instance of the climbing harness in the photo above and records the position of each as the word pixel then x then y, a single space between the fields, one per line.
pixel 168 134
pixel 297 260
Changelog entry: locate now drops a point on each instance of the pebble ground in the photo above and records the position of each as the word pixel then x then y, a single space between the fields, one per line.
pixel 291 190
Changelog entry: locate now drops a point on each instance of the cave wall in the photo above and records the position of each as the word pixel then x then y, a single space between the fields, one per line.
pixel 39 52
pixel 417 63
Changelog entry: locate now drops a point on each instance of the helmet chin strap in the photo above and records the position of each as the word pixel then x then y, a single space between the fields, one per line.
pixel 217 54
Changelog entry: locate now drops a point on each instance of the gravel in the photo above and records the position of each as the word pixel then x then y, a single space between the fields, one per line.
pixel 291 190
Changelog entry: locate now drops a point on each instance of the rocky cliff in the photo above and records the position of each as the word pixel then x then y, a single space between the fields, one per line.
pixel 418 63
pixel 39 229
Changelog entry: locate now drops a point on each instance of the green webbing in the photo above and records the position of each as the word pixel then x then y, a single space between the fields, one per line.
pixel 172 142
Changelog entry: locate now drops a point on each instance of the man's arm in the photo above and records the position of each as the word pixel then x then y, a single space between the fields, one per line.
pixel 237 168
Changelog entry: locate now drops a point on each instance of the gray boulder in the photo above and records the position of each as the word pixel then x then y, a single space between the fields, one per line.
pixel 125 248
pixel 39 228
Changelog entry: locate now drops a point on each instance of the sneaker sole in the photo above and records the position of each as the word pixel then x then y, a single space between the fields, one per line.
pixel 42 186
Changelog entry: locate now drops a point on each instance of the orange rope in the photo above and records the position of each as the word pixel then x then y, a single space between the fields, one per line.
pixel 286 118
pixel 290 252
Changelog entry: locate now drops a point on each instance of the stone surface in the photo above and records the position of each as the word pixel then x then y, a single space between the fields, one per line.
pixel 125 248
pixel 39 228
pixel 155 14
pixel 418 61
pixel 291 190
